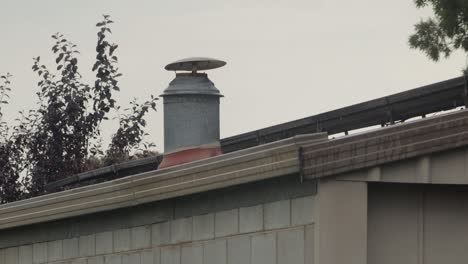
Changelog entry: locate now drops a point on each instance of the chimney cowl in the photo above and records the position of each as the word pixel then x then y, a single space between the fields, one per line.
pixel 191 113
pixel 191 83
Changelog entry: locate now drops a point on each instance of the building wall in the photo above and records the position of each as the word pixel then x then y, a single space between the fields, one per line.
pixel 365 216
pixel 341 222
pixel 416 224
pixel 277 230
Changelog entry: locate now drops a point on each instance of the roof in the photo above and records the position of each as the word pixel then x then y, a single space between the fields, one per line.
pixel 309 156
pixel 388 110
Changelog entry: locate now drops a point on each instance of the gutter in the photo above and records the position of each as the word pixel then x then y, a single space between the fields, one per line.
pixel 249 165
pixel 391 144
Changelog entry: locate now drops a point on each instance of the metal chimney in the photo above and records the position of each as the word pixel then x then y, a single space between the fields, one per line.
pixel 191 113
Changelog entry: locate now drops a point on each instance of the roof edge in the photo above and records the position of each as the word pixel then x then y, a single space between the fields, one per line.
pixel 249 165
pixel 365 150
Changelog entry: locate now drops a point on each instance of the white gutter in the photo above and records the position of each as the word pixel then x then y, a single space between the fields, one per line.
pixel 249 165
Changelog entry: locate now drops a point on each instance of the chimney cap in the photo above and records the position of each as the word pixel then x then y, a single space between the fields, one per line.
pixel 195 64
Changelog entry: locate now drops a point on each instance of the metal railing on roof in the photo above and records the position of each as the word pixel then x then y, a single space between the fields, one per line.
pixel 445 95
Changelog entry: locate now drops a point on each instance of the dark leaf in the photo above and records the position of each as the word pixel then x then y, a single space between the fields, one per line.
pixel 96 65
pixel 112 49
pixel 59 58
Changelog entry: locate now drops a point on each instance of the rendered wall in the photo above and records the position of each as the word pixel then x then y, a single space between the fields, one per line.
pixel 340 222
pixel 417 224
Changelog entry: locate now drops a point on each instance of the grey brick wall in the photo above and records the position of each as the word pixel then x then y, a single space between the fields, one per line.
pixel 278 232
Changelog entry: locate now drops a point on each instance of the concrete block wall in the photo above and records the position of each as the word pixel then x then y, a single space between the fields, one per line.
pixel 280 232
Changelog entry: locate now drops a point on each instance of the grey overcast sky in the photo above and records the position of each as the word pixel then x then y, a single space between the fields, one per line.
pixel 287 59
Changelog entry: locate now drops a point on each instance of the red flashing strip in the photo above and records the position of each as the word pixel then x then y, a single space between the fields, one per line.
pixel 188 155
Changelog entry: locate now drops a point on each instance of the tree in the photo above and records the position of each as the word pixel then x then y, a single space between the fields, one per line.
pixel 62 136
pixel 11 151
pixel 446 32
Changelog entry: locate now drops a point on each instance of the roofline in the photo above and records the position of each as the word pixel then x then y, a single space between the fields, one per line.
pixel 312 156
pixel 395 108
pixel 254 164
pixel 413 139
pixel 390 109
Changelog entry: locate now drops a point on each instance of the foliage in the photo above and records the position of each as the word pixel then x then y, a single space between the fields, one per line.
pixel 446 32
pixel 62 136
pixel 130 133
pixel 11 151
